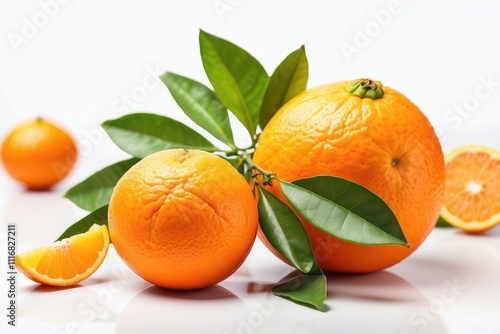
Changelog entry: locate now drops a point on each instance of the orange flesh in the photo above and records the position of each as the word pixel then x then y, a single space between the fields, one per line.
pixel 66 262
pixel 473 187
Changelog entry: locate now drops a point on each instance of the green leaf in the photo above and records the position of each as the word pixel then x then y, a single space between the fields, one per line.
pixel 289 79
pixel 344 209
pixel 201 105
pixel 95 191
pixel 98 216
pixel 309 290
pixel 238 78
pixel 142 134
pixel 442 223
pixel 284 231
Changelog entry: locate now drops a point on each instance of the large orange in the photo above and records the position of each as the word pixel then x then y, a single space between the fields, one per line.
pixel 372 135
pixel 39 154
pixel 183 219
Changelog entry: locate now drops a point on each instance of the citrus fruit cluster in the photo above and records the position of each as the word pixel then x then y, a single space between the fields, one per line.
pixel 337 178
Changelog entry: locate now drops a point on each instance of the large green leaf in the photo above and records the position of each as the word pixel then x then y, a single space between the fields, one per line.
pixel 98 216
pixel 201 105
pixel 95 191
pixel 304 289
pixel 289 79
pixel 284 231
pixel 142 134
pixel 238 78
pixel 344 209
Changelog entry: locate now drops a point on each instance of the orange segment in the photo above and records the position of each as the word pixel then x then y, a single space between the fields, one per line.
pixel 66 262
pixel 472 194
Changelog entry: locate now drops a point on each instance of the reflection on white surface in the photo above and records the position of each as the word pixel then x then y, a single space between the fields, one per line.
pixel 57 308
pixel 211 310
pixel 384 300
pixel 449 285
pixel 459 274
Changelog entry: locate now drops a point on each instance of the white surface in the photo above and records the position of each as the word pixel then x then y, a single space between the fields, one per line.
pixel 450 285
pixel 87 61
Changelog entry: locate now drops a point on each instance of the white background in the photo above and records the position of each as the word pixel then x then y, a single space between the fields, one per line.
pixel 79 63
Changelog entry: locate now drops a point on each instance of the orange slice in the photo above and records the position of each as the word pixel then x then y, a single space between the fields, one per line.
pixel 472 193
pixel 66 262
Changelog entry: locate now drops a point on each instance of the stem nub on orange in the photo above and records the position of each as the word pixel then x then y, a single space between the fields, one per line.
pixel 39 154
pixel 369 134
pixel 183 219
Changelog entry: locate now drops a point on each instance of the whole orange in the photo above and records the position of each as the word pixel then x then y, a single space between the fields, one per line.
pixel 39 154
pixel 369 134
pixel 183 219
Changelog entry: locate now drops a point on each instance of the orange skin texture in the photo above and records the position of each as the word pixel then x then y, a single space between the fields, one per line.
pixel 183 219
pixel 386 145
pixel 39 154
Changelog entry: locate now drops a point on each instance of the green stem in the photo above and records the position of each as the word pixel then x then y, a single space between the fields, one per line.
pixel 266 176
pixel 237 151
pixel 366 88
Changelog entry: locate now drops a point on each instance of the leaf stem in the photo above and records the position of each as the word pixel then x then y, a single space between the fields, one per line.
pixel 267 177
pixel 239 151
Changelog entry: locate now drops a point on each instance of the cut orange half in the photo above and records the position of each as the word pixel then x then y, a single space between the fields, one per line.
pixel 472 193
pixel 66 262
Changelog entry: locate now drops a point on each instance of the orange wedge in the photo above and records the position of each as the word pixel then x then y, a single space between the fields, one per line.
pixel 66 262
pixel 472 193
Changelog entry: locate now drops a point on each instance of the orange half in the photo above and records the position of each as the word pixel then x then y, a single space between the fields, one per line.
pixel 472 193
pixel 66 262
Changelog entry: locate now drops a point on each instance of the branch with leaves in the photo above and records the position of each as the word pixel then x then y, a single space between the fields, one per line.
pixel 241 86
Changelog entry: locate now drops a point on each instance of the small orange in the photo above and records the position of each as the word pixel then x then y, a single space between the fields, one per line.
pixel 66 262
pixel 369 134
pixel 39 154
pixel 472 193
pixel 183 219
